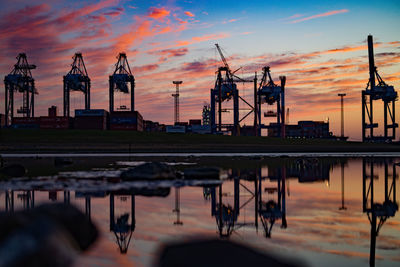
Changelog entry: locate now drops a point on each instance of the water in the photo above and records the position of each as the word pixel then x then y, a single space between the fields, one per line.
pixel 319 216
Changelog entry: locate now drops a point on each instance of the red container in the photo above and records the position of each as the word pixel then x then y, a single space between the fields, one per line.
pixel 124 127
pixel 94 123
pixel 25 120
pixel 136 125
pixel 54 122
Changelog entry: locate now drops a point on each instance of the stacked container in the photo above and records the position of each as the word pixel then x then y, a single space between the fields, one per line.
pixel 55 122
pixel 25 123
pixel 95 119
pixel 126 120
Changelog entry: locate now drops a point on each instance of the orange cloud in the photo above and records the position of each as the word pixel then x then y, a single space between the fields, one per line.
pixel 158 13
pixel 188 13
pixel 203 38
pixel 330 13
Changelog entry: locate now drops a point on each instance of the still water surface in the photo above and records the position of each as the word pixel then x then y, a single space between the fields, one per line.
pixel 317 210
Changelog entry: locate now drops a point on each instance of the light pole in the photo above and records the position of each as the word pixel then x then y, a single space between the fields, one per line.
pixel 342 116
pixel 176 96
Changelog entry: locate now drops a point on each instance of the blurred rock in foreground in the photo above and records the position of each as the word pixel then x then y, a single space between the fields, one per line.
pixel 49 235
pixel 218 253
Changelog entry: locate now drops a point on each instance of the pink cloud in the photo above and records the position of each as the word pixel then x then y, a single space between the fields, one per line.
pixel 203 38
pixel 158 13
pixel 188 13
pixel 329 13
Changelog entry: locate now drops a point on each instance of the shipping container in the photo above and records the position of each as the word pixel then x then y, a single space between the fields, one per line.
pixel 129 120
pixel 94 123
pixel 55 122
pixel 175 129
pixel 24 126
pixel 123 120
pixel 194 122
pixel 201 129
pixel 90 113
pixel 124 127
pixel 25 120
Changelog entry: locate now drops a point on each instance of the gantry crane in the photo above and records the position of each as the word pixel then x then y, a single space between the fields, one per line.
pixel 224 90
pixel 271 93
pixel 78 80
pixel 20 80
pixel 380 91
pixel 123 81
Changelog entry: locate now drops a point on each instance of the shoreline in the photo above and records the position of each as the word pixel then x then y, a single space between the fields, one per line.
pixel 218 155
pixel 72 141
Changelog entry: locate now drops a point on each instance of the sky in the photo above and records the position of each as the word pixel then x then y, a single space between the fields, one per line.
pixel 320 46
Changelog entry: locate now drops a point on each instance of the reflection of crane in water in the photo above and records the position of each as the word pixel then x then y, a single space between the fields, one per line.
pixel 342 176
pixel 121 226
pixel 177 207
pixel 27 198
pixel 225 214
pixel 274 209
pixel 378 211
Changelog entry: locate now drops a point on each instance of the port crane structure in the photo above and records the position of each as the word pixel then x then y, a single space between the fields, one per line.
pixel 377 91
pixel 20 81
pixel 272 94
pixel 225 89
pixel 77 80
pixel 122 81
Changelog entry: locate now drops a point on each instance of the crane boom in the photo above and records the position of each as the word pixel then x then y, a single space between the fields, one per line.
pixel 222 57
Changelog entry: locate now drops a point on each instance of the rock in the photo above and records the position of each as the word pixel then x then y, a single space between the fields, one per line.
pixel 13 170
pixel 216 253
pixel 205 173
pixel 149 171
pixel 49 235
pixel 60 162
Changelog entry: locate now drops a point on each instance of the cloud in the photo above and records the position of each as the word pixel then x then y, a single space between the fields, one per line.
pixel 203 38
pixel 115 12
pixel 188 13
pixel 173 52
pixel 158 13
pixel 329 13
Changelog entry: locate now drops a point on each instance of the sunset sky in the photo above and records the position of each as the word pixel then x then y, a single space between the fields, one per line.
pixel 319 45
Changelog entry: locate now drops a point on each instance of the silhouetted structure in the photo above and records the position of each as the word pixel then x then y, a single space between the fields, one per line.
pixel 78 80
pixel 381 91
pixel 206 114
pixel 270 93
pixel 177 208
pixel 378 211
pixel 20 80
pixel 176 101
pixel 224 90
pixel 122 81
pixel 27 198
pixel 121 226
pixel 274 208
pixel 342 137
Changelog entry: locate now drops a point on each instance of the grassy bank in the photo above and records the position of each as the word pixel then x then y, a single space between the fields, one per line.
pixel 18 140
